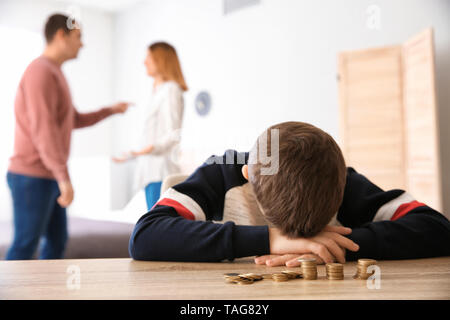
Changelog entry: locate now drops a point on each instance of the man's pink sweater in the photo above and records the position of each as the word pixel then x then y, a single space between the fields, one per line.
pixel 45 118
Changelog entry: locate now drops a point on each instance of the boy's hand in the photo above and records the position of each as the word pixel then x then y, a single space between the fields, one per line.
pixel 329 245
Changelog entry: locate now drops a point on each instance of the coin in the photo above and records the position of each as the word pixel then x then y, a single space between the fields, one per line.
pixel 362 276
pixel 279 277
pixel 361 269
pixel 245 281
pixel 229 280
pixel 309 268
pixel 366 262
pixel 335 278
pixel 251 276
pixel 334 271
pixel 308 263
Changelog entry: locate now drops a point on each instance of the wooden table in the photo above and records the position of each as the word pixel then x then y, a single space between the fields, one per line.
pixel 128 279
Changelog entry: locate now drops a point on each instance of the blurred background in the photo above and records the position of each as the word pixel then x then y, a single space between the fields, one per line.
pixel 262 62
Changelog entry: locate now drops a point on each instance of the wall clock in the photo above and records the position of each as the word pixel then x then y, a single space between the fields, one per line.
pixel 203 103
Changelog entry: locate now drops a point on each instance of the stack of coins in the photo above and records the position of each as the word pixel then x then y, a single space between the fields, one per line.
pixel 309 269
pixel 279 277
pixel 335 271
pixel 361 272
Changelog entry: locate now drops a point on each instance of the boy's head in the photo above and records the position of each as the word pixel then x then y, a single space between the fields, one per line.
pixel 307 188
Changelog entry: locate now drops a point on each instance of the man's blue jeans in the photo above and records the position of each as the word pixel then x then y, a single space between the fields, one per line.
pixel 36 215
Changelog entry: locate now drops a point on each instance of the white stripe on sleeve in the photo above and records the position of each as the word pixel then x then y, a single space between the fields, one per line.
pixel 186 201
pixel 388 209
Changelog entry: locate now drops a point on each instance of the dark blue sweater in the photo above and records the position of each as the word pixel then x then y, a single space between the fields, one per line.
pixel 386 224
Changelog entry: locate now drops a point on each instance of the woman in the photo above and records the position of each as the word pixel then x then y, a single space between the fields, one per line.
pixel 161 131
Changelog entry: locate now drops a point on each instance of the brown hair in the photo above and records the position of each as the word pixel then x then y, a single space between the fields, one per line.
pixel 167 63
pixel 308 188
pixel 54 23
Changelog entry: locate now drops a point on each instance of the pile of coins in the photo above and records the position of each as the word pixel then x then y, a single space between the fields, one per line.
pixel 335 271
pixel 309 269
pixel 247 278
pixel 361 272
pixel 250 278
pixel 292 274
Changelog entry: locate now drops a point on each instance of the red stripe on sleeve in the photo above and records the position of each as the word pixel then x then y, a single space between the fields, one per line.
pixel 405 208
pixel 179 208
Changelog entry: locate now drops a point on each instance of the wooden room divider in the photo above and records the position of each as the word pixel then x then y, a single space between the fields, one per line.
pixel 388 116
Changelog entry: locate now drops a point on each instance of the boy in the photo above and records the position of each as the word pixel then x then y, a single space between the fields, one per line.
pixel 287 209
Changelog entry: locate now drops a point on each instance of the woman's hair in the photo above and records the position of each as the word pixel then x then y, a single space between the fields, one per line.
pixel 166 60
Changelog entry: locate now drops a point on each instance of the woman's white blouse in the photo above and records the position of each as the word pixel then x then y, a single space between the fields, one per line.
pixel 162 129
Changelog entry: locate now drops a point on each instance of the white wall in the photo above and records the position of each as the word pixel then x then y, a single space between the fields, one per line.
pixel 265 64
pixel 90 78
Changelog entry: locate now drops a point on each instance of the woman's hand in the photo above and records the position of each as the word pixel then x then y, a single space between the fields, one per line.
pixel 329 246
pixel 124 158
pixel 132 154
pixel 144 151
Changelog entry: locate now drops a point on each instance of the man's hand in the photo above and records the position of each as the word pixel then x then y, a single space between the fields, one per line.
pixel 329 246
pixel 120 107
pixel 66 190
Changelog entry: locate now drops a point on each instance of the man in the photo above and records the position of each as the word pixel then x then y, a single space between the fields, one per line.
pixel 38 175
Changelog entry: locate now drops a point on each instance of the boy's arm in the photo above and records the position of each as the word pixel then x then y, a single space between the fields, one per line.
pixel 178 227
pixel 162 234
pixel 391 224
